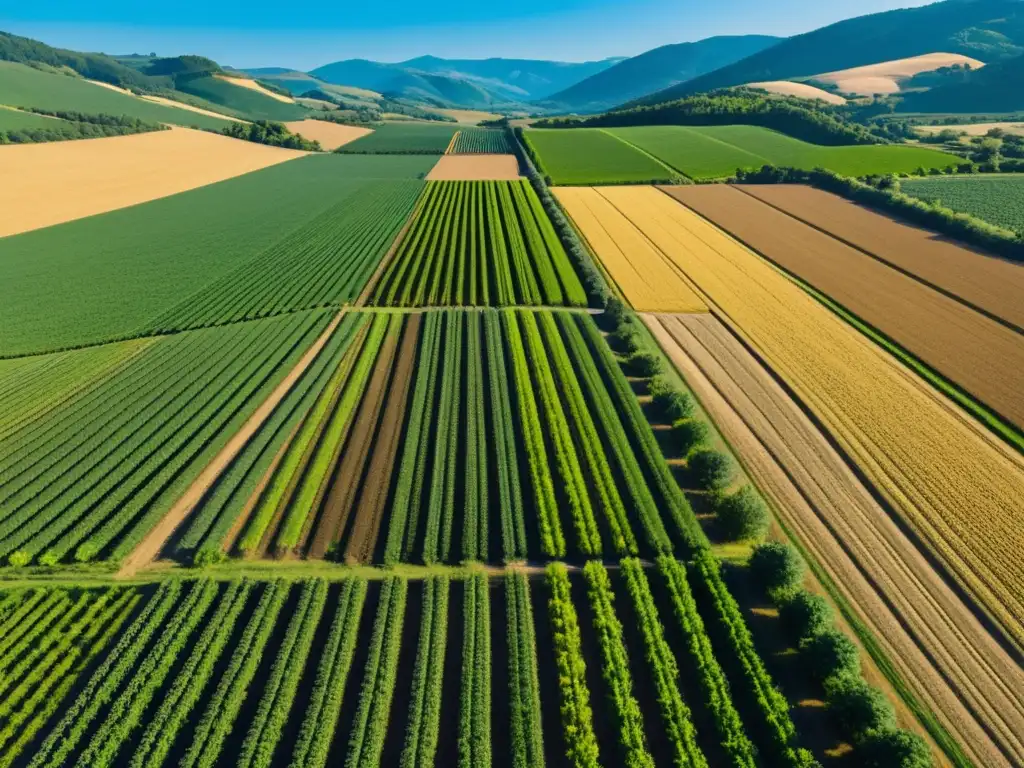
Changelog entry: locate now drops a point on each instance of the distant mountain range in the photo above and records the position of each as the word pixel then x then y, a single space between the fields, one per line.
pixel 654 70
pixel 988 30
pixel 453 82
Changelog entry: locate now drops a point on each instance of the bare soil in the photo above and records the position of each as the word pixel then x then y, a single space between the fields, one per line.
pixel 377 483
pixel 344 481
pixel 949 661
pixel 981 356
pixel 987 282
pixel 475 168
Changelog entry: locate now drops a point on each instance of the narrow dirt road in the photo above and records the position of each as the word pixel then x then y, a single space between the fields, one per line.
pixel 948 659
pixel 148 549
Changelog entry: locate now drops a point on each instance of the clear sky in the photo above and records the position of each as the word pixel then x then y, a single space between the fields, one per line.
pixel 308 33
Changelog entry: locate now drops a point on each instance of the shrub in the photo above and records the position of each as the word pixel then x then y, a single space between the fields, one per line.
pixel 645 364
pixel 628 338
pixel 673 405
pixel 690 434
pixel 19 559
pixel 804 616
pixel 831 654
pixel 616 311
pixel 858 707
pixel 208 556
pixel 743 515
pixel 894 748
pixel 711 470
pixel 777 567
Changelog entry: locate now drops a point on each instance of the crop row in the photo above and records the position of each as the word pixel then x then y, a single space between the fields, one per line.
pixel 479 243
pixel 475 699
pixel 493 141
pixel 527 735
pixel 428 676
pixel 92 475
pixel 325 262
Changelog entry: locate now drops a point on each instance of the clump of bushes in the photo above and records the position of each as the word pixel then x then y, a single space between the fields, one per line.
pixel 862 711
pixel 644 364
pixel 743 515
pixel 710 470
pixel 690 434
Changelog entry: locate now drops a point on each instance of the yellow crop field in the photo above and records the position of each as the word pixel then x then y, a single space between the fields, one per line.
pixel 646 278
pixel 960 490
pixel 46 184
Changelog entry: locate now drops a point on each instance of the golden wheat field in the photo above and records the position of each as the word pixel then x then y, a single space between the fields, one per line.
pixel 960 490
pixel 646 279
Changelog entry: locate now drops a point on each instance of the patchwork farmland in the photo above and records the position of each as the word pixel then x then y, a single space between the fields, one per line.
pixel 398 455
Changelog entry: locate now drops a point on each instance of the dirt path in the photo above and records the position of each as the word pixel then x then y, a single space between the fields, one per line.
pixel 148 549
pixel 950 662
pixel 342 481
pixel 370 512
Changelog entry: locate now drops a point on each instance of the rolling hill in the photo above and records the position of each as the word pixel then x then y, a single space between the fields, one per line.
pixel 998 87
pixel 467 83
pixel 654 70
pixel 988 30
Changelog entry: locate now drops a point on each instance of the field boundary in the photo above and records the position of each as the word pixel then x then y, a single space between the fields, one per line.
pixel 881 259
pixel 659 161
pixel 451 144
pixel 150 547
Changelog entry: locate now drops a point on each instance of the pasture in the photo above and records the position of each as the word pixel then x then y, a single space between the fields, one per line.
pixel 997 199
pixel 592 156
pixel 709 152
pixel 58 285
pixel 252 104
pixel 22 86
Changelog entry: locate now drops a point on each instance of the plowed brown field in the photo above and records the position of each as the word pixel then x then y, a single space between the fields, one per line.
pixel 983 357
pixel 643 275
pixel 989 283
pixel 377 483
pixel 950 661
pixel 946 476
pixel 475 168
pixel 342 482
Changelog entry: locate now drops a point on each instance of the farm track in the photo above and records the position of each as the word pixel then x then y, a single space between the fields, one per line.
pixel 374 495
pixel 949 659
pixel 343 478
pixel 987 282
pixel 980 355
pixel 151 545
pixel 945 475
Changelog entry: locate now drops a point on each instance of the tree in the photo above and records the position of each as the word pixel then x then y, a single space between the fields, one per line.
pixel 645 364
pixel 858 707
pixel 894 748
pixel 804 616
pixel 710 469
pixel 690 434
pixel 831 654
pixel 616 312
pixel 777 567
pixel 673 405
pixel 743 515
pixel 628 337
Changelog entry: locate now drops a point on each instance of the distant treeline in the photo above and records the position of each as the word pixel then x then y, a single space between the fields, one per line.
pixel 795 117
pixel 883 193
pixel 77 125
pixel 357 113
pixel 270 133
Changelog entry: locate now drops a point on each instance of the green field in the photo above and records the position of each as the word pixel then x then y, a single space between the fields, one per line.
pixel 997 198
pixel 22 86
pixel 480 243
pixel 116 274
pixel 132 444
pixel 244 101
pixel 482 141
pixel 16 120
pixel 709 152
pixel 406 138
pixel 591 156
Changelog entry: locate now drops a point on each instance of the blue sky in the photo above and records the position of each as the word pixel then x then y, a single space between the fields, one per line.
pixel 306 34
